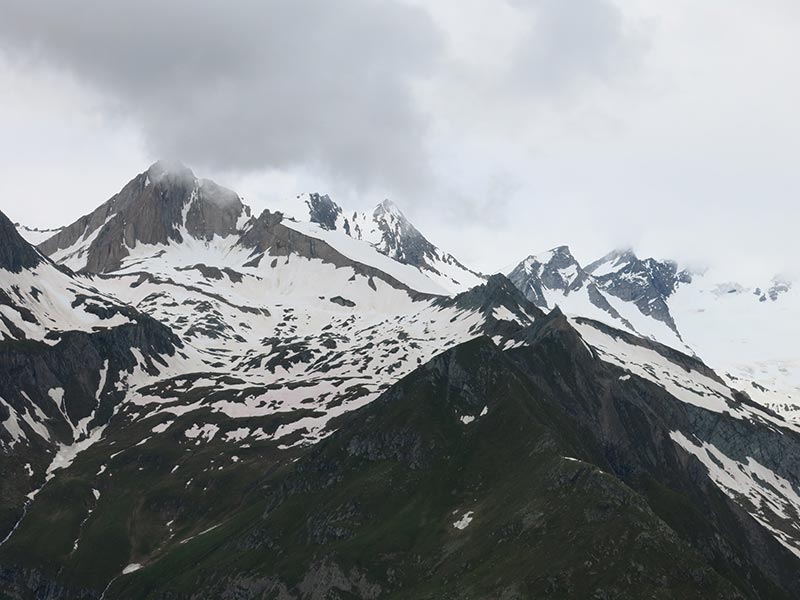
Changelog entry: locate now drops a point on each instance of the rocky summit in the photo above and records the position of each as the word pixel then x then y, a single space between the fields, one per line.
pixel 197 401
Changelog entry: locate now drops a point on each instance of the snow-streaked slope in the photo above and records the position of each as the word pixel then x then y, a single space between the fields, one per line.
pixel 734 439
pixel 747 332
pixel 292 335
pixel 555 278
pixel 363 252
pixel 693 386
pixel 44 302
pixel 388 230
pixel 770 498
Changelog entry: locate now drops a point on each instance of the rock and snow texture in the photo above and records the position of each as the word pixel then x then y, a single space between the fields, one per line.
pixel 749 453
pixel 388 230
pixel 555 278
pixel 166 203
pixel 770 498
pixel 199 325
pixel 745 331
pixel 38 301
pixel 298 320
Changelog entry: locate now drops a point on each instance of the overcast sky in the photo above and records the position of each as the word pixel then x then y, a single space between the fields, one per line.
pixel 501 127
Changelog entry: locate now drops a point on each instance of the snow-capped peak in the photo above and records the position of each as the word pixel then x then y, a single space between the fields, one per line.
pixel 388 230
pixel 162 205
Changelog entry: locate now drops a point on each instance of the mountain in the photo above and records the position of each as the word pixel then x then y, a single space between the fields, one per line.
pixel 163 205
pixel 555 278
pixel 68 353
pixel 388 230
pixel 744 331
pixel 201 402
pixel 646 283
pixel 519 455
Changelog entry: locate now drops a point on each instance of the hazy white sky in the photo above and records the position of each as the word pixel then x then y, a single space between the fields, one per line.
pixel 501 127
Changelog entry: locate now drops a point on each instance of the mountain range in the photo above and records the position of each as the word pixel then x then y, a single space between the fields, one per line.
pixel 197 401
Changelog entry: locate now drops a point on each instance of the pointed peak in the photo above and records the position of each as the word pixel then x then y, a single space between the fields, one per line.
pixel 388 207
pixel 615 258
pixel 560 253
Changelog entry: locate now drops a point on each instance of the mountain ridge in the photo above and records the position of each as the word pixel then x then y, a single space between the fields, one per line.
pixel 264 405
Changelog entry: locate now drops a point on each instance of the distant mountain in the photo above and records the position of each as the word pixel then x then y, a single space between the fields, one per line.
pixel 744 331
pixel 200 402
pixel 646 283
pixel 388 231
pixel 163 205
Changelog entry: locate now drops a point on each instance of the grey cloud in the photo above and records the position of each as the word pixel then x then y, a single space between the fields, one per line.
pixel 575 44
pixel 249 84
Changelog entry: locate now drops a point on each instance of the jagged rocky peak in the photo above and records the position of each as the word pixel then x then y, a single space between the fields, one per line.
pixel 157 207
pixel 324 211
pixel 499 297
pixel 623 270
pixel 16 254
pixel 399 238
pixel 388 230
pixel 206 209
pixel 648 283
pixel 556 269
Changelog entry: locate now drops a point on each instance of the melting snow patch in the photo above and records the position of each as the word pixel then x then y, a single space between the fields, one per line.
pixel 207 431
pixel 237 435
pixel 162 427
pixel 66 454
pixel 131 568
pixel 464 521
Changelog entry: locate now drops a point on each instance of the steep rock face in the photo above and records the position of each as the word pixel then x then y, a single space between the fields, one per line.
pixel 325 212
pixel 400 239
pixel 555 278
pixel 157 207
pixel 388 230
pixel 555 270
pixel 639 429
pixel 15 253
pixel 646 283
